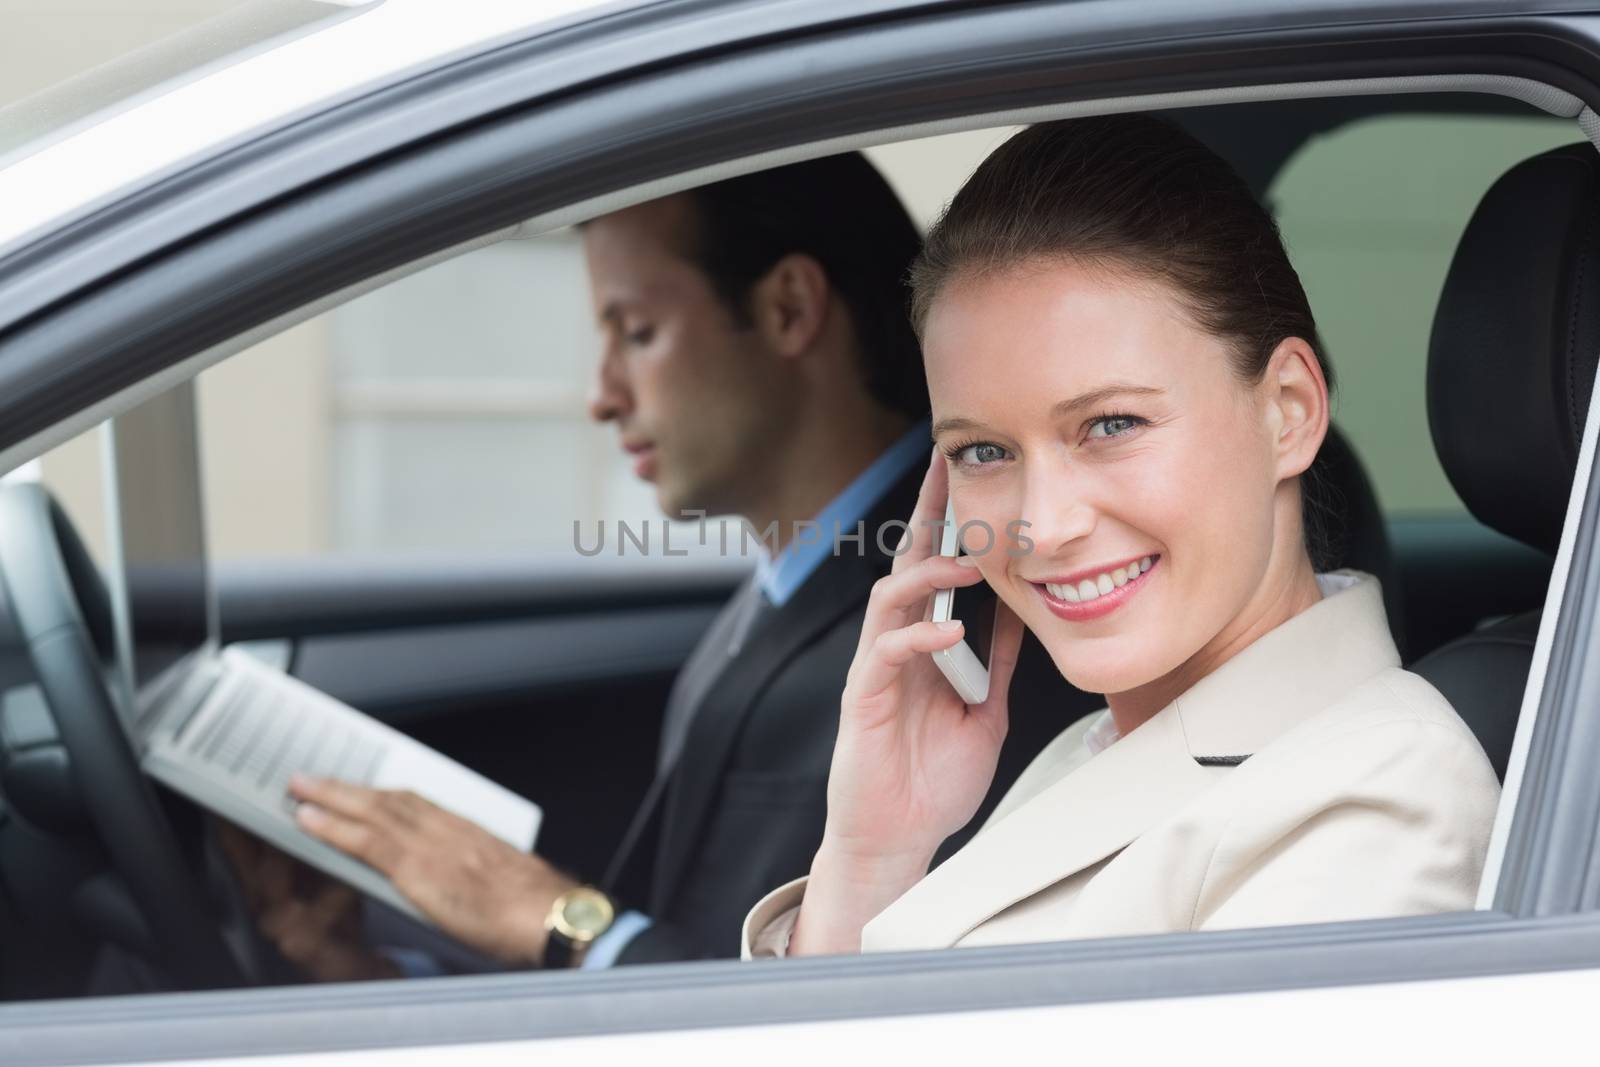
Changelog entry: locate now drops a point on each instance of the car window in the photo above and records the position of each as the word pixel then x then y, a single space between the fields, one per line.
pixel 1371 212
pixel 400 427
pixel 446 412
pixel 395 419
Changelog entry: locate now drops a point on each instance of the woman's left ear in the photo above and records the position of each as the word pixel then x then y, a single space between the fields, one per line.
pixel 1297 398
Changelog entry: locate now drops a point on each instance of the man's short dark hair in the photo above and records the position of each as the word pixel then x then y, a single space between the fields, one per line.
pixel 841 212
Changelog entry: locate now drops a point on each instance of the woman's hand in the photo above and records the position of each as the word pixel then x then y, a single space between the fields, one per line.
pixel 913 761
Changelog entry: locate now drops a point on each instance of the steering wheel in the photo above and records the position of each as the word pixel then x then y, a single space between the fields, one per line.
pixel 58 603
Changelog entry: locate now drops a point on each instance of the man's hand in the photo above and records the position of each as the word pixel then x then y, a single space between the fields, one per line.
pixel 313 921
pixel 477 888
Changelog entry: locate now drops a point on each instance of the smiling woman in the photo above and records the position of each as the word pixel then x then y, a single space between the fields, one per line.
pixel 1120 355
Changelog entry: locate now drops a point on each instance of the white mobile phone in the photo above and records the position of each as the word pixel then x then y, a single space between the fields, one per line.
pixel 965 668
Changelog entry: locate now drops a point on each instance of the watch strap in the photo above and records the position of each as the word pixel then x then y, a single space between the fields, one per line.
pixel 560 951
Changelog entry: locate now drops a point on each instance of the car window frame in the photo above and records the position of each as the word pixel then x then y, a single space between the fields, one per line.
pixel 1542 918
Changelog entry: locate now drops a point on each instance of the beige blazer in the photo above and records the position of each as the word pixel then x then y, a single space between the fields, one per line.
pixel 1308 779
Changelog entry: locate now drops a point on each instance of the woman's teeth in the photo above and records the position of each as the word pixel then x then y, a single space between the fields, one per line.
pixel 1100 585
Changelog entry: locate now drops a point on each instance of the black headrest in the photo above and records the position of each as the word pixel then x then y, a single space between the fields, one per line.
pixel 1512 358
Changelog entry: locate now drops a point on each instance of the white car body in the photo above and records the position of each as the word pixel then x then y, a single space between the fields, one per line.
pixel 1462 1021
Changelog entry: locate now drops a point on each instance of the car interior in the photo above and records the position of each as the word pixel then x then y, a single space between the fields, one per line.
pixel 547 673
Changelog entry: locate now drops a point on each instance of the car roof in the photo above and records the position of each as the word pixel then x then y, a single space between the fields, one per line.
pixel 141 118
pixel 346 50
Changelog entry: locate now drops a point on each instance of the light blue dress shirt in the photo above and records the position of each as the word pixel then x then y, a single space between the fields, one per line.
pixel 780 577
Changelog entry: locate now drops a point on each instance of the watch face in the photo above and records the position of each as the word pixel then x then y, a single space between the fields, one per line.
pixel 586 913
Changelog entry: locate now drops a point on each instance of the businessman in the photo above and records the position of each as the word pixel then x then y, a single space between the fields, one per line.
pixel 758 362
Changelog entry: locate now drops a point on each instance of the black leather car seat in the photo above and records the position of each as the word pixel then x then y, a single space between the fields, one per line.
pixel 1510 367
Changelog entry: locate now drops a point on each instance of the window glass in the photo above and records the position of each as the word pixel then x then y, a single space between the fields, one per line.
pixel 447 411
pixel 1371 214
pixel 443 412
pixel 75 474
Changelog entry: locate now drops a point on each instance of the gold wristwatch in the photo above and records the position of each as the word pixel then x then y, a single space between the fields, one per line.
pixel 577 917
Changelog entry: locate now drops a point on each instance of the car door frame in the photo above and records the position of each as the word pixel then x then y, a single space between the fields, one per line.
pixel 111 334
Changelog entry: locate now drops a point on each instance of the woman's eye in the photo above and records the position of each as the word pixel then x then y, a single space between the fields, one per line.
pixel 641 336
pixel 1113 425
pixel 980 454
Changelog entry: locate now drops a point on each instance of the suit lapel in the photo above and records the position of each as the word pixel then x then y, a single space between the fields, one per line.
pixel 1080 820
pixel 634 860
pixel 838 587
pixel 702 670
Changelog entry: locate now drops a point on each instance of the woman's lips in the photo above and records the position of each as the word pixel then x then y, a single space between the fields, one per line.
pixel 1103 604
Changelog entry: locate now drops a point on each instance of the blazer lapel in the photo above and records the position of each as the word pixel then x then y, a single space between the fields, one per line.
pixel 1088 815
pixel 1279 681
pixel 838 587
pixel 633 863
pixel 722 641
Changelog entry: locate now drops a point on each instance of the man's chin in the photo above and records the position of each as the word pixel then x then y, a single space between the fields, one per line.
pixel 672 503
pixel 680 506
pixel 680 511
pixel 680 501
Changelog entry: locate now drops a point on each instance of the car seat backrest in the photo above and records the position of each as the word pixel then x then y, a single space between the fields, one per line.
pixel 1512 358
pixel 1511 364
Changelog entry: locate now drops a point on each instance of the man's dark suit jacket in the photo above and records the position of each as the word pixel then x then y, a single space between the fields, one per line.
pixel 740 809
